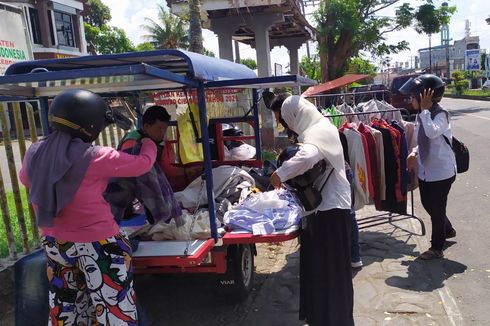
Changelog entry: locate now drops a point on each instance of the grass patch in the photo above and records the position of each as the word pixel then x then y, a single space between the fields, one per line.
pixel 476 92
pixel 470 92
pixel 15 224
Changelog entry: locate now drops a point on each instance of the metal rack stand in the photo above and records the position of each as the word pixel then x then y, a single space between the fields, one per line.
pixel 387 217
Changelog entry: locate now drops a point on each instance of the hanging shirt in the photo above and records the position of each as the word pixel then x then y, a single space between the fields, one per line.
pixel 359 167
pixel 441 163
pixel 345 108
pixel 380 156
pixel 404 176
pixel 335 193
pixel 373 164
pixel 332 110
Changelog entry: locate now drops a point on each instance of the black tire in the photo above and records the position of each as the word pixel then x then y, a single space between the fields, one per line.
pixel 238 280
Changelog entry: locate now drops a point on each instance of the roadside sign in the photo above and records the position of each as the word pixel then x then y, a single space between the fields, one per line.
pixel 14 40
pixel 473 60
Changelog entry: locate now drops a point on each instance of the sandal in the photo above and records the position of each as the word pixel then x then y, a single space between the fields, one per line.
pixel 431 254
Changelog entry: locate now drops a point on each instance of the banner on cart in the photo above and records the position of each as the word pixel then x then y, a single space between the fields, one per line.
pixel 222 98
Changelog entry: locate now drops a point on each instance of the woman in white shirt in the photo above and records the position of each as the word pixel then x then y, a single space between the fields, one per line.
pixel 432 158
pixel 326 292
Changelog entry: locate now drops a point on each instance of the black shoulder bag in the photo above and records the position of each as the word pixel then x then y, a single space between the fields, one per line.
pixel 461 153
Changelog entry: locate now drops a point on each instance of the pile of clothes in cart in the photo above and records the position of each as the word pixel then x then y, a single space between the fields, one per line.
pixel 242 204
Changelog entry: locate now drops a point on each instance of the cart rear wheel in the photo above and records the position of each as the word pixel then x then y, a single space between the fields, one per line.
pixel 239 277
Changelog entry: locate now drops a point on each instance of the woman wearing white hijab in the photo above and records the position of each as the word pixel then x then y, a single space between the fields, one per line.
pixel 326 292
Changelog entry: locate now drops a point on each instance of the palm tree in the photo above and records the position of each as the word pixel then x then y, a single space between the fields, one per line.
pixel 195 30
pixel 170 32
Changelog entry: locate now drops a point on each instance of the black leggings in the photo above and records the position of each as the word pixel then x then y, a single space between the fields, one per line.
pixel 434 199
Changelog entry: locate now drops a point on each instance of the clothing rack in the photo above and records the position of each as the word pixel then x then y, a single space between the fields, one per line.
pixel 349 93
pixel 360 113
pixel 387 217
pixel 380 91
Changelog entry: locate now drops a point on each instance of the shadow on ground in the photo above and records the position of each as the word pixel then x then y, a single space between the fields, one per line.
pixel 192 299
pixel 185 300
pixel 426 276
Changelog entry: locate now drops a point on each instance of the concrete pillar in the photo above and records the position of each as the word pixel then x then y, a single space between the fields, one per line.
pixel 224 28
pixel 237 51
pixel 42 10
pixel 78 33
pixel 293 44
pixel 260 24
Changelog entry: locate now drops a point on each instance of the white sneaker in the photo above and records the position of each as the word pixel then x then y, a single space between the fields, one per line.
pixel 356 264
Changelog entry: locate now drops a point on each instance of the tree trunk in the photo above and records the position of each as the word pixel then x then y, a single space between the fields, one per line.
pixel 195 30
pixel 324 65
pixel 333 56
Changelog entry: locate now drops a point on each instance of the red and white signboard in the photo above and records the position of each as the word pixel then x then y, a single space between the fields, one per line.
pixel 14 40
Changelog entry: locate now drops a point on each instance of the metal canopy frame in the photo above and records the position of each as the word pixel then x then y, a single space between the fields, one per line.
pixel 141 71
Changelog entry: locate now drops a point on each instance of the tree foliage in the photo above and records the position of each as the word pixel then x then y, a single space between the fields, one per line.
pixel 99 14
pixel 209 53
pixel 310 67
pixel 429 19
pixel 460 81
pixel 102 38
pixel 346 27
pixel 251 63
pixel 107 40
pixel 145 46
pixel 358 65
pixel 170 32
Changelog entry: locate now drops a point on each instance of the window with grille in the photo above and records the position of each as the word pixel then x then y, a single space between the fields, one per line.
pixel 64 28
pixel 35 26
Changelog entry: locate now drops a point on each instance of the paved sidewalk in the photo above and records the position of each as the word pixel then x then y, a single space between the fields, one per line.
pixel 393 287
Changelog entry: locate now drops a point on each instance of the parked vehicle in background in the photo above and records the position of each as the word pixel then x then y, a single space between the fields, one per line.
pixel 486 84
pixel 364 93
pixel 398 100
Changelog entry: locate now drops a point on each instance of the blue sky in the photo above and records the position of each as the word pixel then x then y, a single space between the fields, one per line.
pixel 130 15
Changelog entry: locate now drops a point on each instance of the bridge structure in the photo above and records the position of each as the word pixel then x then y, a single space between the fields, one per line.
pixel 262 24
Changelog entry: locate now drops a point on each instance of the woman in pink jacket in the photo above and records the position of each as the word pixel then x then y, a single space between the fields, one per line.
pixel 89 258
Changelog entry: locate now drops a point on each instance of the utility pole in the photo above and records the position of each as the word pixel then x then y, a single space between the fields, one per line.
pixel 445 41
pixel 430 53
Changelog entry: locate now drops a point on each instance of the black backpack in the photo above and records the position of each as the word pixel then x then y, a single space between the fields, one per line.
pixel 460 150
pixel 461 153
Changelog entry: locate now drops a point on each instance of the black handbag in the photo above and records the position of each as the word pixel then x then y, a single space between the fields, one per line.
pixel 461 153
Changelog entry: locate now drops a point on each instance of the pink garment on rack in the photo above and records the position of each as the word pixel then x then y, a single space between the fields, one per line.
pixel 373 166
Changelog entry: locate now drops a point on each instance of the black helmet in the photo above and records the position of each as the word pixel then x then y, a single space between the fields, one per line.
pixel 230 130
pixel 79 113
pixel 416 85
pixel 307 178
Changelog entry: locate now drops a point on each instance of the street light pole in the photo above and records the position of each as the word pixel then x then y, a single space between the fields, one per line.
pixel 430 53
